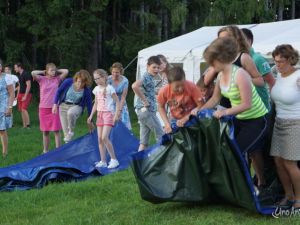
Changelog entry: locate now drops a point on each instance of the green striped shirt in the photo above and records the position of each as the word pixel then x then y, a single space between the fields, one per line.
pixel 257 109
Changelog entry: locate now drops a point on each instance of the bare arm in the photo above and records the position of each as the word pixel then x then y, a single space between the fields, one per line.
pixel 18 90
pixel 136 87
pixel 123 98
pixel 162 111
pixel 117 113
pixel 28 86
pixel 270 80
pixel 11 98
pixel 116 99
pixel 209 75
pixel 63 73
pixel 215 99
pixel 36 73
pixel 94 109
pixel 250 67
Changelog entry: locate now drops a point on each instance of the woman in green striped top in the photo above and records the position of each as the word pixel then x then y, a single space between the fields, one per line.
pixel 235 83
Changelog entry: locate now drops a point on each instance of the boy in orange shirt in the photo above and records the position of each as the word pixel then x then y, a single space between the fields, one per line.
pixel 181 96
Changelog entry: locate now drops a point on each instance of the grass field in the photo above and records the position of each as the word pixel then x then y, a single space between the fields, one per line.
pixel 110 200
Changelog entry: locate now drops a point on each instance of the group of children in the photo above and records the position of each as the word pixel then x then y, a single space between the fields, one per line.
pixel 175 100
pixel 62 101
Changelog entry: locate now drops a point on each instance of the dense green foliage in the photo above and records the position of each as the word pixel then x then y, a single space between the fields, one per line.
pixel 94 33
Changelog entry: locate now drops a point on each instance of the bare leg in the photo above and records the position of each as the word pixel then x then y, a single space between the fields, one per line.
pixel 26 120
pixel 46 140
pixel 105 138
pixel 101 145
pixel 294 174
pixel 57 138
pixel 23 118
pixel 284 178
pixel 4 142
pixel 258 165
pixel 142 147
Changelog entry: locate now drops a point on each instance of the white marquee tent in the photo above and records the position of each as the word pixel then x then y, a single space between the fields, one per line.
pixel 188 48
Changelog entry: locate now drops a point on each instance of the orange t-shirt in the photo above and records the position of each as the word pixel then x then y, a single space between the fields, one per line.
pixel 180 104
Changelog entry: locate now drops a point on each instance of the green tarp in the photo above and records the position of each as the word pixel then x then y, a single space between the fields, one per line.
pixel 198 163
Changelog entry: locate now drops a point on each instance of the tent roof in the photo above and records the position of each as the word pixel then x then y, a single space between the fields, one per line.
pixel 266 37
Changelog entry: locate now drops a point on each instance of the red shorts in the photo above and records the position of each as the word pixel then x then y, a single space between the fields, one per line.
pixel 105 119
pixel 23 105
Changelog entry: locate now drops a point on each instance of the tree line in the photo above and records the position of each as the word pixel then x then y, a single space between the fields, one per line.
pixel 94 33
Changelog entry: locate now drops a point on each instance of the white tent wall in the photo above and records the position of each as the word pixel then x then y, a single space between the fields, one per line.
pixel 188 48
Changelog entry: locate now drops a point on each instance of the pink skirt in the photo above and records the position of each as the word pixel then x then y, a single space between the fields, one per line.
pixel 48 120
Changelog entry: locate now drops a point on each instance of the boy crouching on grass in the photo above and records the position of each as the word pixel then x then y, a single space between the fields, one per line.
pixel 181 96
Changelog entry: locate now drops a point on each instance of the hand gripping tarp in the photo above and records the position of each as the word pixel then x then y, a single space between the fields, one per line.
pixel 72 161
pixel 198 163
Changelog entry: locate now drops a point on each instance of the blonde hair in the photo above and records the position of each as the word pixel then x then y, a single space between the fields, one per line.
pixel 85 78
pixel 102 73
pixel 48 66
pixel 238 35
pixel 118 66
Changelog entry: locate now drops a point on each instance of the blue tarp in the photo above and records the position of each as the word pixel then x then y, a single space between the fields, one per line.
pixel 72 161
pixel 76 161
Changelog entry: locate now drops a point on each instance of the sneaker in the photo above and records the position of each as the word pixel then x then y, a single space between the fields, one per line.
pixel 101 164
pixel 68 137
pixel 71 134
pixel 113 164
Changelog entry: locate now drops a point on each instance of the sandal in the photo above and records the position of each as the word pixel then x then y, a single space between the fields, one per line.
pixel 285 203
pixel 296 202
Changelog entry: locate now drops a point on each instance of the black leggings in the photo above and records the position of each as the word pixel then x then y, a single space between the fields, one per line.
pixel 250 134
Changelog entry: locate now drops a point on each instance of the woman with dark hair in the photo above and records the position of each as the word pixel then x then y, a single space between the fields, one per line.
pixel 73 95
pixel 285 145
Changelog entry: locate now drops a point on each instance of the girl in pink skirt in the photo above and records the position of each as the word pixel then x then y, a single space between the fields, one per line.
pixel 48 86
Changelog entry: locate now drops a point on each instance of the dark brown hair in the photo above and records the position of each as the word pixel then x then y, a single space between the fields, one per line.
pixel 153 60
pixel 288 52
pixel 175 74
pixel 118 66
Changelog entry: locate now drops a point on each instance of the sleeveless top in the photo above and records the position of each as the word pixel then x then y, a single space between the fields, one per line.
pixel 257 109
pixel 238 61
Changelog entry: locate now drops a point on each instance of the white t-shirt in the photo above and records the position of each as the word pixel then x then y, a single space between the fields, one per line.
pixel 8 79
pixel 286 96
pixel 13 78
pixel 104 99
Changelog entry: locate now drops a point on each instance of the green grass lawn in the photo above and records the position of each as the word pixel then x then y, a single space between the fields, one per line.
pixel 113 199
